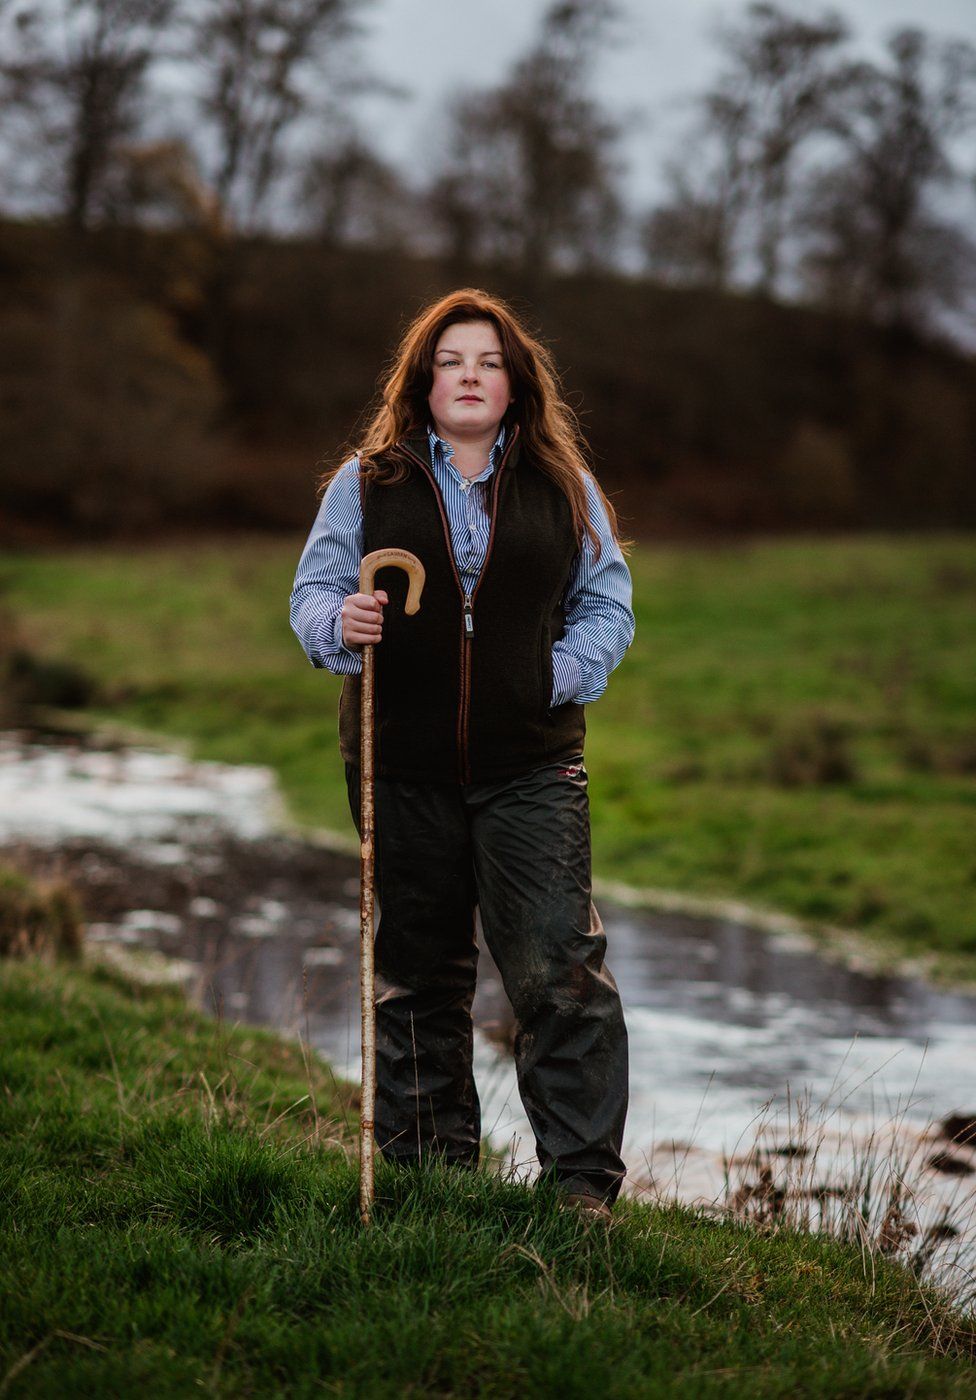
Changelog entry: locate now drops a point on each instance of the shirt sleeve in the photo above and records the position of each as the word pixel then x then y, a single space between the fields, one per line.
pixel 327 573
pixel 599 616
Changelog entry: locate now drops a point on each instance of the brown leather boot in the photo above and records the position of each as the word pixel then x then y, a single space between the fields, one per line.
pixel 592 1208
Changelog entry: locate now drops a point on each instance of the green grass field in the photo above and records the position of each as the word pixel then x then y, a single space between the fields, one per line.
pixel 795 724
pixel 180 1214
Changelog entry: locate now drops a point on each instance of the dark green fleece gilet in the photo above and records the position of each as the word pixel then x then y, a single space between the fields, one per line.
pixel 458 707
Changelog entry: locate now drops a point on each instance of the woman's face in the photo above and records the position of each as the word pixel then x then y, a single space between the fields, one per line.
pixel 471 388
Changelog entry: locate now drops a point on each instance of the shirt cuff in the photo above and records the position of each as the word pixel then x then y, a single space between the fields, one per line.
pixel 566 676
pixel 339 645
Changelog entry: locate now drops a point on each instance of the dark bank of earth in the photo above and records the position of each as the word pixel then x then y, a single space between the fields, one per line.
pixel 262 930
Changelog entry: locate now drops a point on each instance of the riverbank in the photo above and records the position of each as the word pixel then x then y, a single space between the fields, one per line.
pixel 181 1211
pixel 792 730
pixel 848 947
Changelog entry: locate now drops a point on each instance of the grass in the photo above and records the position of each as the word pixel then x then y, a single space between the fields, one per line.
pixel 180 1213
pixel 795 724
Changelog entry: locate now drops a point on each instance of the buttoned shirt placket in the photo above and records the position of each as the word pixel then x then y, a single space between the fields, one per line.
pixel 473 490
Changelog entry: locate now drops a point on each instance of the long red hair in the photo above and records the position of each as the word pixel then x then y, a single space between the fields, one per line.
pixel 548 427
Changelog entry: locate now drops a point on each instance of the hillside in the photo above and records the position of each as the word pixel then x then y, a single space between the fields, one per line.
pixel 159 377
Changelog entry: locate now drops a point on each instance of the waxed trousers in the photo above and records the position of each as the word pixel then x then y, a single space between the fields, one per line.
pixel 520 851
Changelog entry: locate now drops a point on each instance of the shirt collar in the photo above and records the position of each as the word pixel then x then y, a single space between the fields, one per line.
pixel 443 451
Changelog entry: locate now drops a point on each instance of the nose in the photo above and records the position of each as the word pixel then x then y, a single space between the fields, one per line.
pixel 470 374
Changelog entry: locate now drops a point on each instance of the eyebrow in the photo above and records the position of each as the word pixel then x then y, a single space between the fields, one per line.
pixel 446 350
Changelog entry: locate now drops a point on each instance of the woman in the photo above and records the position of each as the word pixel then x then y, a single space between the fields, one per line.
pixel 473 463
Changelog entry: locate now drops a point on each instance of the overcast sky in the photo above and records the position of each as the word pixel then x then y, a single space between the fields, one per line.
pixel 663 55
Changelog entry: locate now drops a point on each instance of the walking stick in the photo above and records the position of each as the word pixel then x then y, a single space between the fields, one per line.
pixel 411 565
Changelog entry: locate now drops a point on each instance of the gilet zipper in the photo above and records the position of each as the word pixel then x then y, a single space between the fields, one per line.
pixel 467 600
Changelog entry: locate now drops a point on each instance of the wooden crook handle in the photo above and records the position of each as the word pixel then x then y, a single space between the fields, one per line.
pixel 396 558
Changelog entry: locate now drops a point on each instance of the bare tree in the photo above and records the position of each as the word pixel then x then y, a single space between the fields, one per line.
pixel 782 73
pixel 531 174
pixel 79 71
pixel 693 238
pixel 730 208
pixel 877 244
pixel 260 61
pixel 353 196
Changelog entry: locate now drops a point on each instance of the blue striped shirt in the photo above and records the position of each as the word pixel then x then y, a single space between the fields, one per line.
pixel 599 623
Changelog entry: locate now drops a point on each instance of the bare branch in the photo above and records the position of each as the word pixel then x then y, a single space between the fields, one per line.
pixel 532 173
pixel 259 61
pixel 875 246
pixel 78 73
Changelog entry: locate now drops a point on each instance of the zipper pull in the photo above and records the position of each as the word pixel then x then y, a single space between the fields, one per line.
pixel 468 617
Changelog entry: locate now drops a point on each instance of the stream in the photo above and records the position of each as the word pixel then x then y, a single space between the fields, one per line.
pixel 746 1047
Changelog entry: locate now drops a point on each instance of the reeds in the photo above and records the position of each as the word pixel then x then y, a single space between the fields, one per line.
pixel 894 1189
pixel 888 1189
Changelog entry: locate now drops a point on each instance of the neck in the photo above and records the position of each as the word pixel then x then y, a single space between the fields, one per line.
pixel 470 453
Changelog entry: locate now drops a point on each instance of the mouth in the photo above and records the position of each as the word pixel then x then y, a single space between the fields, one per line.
pixel 469 398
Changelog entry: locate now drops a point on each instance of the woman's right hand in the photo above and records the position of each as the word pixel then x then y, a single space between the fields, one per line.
pixel 362 618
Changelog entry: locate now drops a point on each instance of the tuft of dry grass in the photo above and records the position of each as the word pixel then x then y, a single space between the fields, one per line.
pixel 38 918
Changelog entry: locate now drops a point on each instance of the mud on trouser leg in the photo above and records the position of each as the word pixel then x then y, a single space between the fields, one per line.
pixel 532 858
